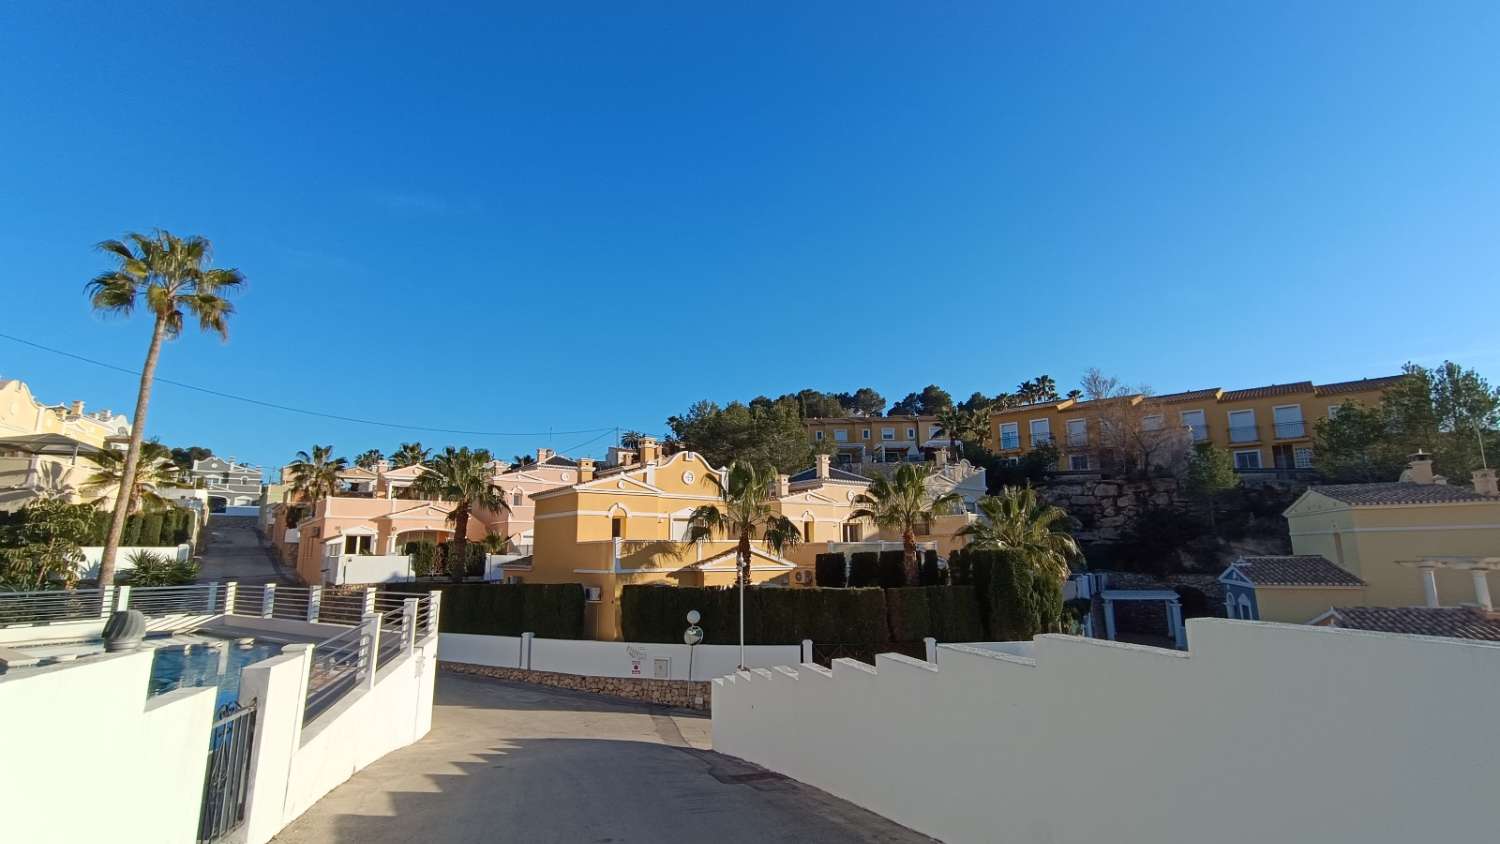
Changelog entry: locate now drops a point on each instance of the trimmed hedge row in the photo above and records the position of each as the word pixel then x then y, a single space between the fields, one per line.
pixel 550 610
pixel 773 616
pixel 1015 601
pixel 169 527
pixel 886 569
pixel 831 570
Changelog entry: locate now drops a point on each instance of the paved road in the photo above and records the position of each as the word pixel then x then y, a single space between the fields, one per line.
pixel 510 762
pixel 234 552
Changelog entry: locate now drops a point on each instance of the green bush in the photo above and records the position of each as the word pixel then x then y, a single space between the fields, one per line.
pixel 424 558
pixel 549 610
pixel 960 569
pixel 132 535
pixel 158 570
pixel 774 616
pixel 1015 604
pixel 150 530
pixel 954 614
pixel 907 614
pixel 832 571
pixel 864 569
pixel 892 568
pixel 929 574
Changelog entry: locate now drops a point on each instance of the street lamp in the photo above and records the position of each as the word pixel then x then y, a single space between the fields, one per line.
pixel 692 636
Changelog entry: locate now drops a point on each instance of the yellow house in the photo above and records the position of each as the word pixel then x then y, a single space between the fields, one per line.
pixel 47 448
pixel 1381 545
pixel 1264 428
pixel 855 440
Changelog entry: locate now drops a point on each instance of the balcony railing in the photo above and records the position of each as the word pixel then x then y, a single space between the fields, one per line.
pixel 1010 441
pixel 1199 433
pixel 1041 438
pixel 1077 439
pixel 1243 434
pixel 1291 430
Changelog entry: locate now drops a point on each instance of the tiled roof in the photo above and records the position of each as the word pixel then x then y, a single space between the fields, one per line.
pixel 1400 492
pixel 1294 570
pixel 1359 386
pixel 1041 405
pixel 834 473
pixel 1187 395
pixel 1268 391
pixel 1453 622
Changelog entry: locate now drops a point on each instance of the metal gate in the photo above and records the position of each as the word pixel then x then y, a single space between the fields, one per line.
pixel 228 775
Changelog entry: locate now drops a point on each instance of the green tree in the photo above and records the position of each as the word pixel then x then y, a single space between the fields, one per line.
pixel 864 401
pixel 315 475
pixel 369 459
pixel 746 508
pixel 465 478
pixel 1016 520
pixel 1210 474
pixel 931 401
pixel 155 472
pixel 169 275
pixel 1354 446
pixel 901 501
pixel 41 545
pixel 961 426
pixel 184 457
pixel 767 435
pixel 409 454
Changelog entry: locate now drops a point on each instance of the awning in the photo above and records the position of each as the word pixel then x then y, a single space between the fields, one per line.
pixel 48 444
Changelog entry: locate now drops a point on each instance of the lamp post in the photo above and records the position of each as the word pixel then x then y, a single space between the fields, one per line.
pixel 692 636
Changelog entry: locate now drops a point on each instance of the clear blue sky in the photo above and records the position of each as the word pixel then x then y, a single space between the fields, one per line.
pixel 521 220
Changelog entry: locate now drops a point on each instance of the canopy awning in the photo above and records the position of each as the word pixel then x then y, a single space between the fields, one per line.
pixel 48 444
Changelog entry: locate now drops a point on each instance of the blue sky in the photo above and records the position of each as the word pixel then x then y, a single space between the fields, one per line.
pixel 517 220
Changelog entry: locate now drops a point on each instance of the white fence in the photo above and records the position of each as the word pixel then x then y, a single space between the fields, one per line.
pixel 609 659
pixel 1261 732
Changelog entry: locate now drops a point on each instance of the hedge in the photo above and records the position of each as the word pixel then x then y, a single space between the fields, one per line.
pixel 832 570
pixel 864 568
pixel 550 610
pixel 892 566
pixel 929 574
pixel 132 535
pixel 774 616
pixel 954 613
pixel 907 614
pixel 1015 602
pixel 172 526
pixel 150 530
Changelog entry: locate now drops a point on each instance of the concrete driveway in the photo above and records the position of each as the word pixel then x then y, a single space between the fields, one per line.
pixel 513 762
pixel 234 552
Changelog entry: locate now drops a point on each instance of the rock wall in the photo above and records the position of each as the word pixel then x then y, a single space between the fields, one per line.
pixel 1104 509
pixel 684 694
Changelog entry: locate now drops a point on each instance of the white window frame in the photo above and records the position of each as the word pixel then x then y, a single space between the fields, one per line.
pixel 911 434
pixel 1082 431
pixel 1015 430
pixel 1259 464
pixel 818 435
pixel 1277 423
pixel 1032 429
pixel 887 434
pixel 1302 457
pixel 1147 422
pixel 864 434
pixel 1075 459
pixel 1333 410
pixel 1254 431
pixel 1202 424
pixel 840 435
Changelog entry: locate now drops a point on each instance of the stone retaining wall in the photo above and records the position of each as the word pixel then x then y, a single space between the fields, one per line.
pixel 685 694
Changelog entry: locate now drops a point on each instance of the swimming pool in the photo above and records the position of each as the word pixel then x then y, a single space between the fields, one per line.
pixel 215 663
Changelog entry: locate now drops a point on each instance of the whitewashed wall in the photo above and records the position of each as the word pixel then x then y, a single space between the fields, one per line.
pixel 609 659
pixel 92 554
pixel 87 757
pixel 1262 732
pixel 354 569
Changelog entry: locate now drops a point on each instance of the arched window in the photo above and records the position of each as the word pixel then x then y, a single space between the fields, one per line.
pixel 616 526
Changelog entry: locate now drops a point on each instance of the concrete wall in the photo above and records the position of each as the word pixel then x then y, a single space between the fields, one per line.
pixel 353 569
pixel 92 554
pixel 89 758
pixel 1262 732
pixel 609 659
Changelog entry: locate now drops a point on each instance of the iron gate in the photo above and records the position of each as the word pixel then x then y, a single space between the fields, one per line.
pixel 228 775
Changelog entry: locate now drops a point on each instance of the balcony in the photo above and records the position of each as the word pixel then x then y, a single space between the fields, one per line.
pixel 1243 434
pixel 1010 442
pixel 1199 433
pixel 1041 438
pixel 1291 430
pixel 1078 439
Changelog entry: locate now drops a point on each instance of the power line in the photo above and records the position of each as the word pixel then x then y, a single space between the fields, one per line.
pixel 303 411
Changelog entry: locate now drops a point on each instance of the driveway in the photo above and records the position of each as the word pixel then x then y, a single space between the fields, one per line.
pixel 514 762
pixel 234 552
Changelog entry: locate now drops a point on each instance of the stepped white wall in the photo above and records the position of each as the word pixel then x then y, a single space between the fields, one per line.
pixel 1262 732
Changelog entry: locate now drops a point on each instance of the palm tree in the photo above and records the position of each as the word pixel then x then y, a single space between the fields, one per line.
pixel 902 502
pixel 368 459
pixel 409 454
pixel 521 461
pixel 745 507
pixel 465 478
pixel 169 275
pixel 156 470
pixel 962 425
pixel 1017 520
pixel 315 476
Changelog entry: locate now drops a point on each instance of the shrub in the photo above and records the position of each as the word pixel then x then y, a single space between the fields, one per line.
pixel 907 614
pixel 929 573
pixel 864 569
pixel 150 530
pixel 1015 603
pixel 549 610
pixel 832 571
pixel 158 570
pixel 132 533
pixel 651 613
pixel 960 569
pixel 954 614
pixel 892 569
pixel 423 559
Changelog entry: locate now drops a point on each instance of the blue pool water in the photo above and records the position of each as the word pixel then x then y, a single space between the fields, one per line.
pixel 176 667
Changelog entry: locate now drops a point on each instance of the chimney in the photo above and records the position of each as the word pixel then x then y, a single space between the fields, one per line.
pixel 1485 483
pixel 382 467
pixel 585 469
pixel 648 449
pixel 544 454
pixel 75 409
pixel 1419 470
pixel 822 471
pixel 783 486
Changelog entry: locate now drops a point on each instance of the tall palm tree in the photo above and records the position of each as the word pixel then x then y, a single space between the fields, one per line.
pixel 745 507
pixel 465 478
pixel 315 476
pixel 960 425
pixel 169 274
pixel 521 461
pixel 368 459
pixel 901 501
pixel 409 454
pixel 155 471
pixel 1017 520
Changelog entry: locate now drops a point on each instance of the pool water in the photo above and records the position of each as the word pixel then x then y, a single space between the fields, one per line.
pixel 197 665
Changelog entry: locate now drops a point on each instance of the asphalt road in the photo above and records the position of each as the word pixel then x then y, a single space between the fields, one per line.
pixel 514 762
pixel 233 552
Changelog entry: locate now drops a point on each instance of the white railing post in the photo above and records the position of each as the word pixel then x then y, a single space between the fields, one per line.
pixel 434 604
pixel 314 602
pixel 372 625
pixel 807 653
pixel 930 644
pixel 122 597
pixel 106 601
pixel 369 601
pixel 231 593
pixel 409 624
pixel 526 650
pixel 267 600
pixel 213 596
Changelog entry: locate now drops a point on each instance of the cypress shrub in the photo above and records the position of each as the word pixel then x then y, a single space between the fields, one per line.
pixel 99 527
pixel 930 574
pixel 1047 603
pixel 151 530
pixel 907 614
pixel 960 568
pixel 863 569
pixel 954 611
pixel 892 568
pixel 550 610
pixel 773 616
pixel 832 571
pixel 132 535
pixel 1003 582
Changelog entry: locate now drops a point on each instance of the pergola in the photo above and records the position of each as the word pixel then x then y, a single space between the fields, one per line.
pixel 1174 610
pixel 49 445
pixel 1478 567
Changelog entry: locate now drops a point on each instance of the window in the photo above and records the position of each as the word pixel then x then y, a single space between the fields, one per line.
pixel 1078 432
pixel 888 433
pixel 807 531
pixel 841 436
pixel 934 431
pixel 1287 419
pixel 1242 426
pixel 1041 432
pixel 853 531
pixel 1151 423
pixel 682 529
pixel 1010 435
pixel 911 433
pixel 865 434
pixel 1078 462
pixel 1333 410
pixel 1246 612
pixel 357 544
pixel 1247 459
pixel 1194 421
pixel 818 435
pixel 1304 458
pixel 616 527
pixel 515 500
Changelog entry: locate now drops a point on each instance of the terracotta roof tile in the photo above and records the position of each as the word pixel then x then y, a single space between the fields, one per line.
pixel 1452 622
pixel 1268 391
pixel 1295 570
pixel 1362 385
pixel 1375 495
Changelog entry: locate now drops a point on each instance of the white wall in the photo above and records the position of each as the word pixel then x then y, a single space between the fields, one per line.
pixel 609 659
pixel 92 554
pixel 372 568
pixel 1262 732
pixel 87 757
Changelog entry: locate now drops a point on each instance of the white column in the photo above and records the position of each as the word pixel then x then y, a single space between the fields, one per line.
pixel 231 590
pixel 107 600
pixel 372 631
pixel 1482 588
pixel 1109 619
pixel 267 600
pixel 807 650
pixel 213 596
pixel 434 606
pixel 526 650
pixel 314 602
pixel 369 601
pixel 409 624
pixel 1174 619
pixel 1429 586
pixel 930 645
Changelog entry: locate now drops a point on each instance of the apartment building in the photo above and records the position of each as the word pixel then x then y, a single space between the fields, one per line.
pixel 1264 428
pixel 229 483
pixel 47 448
pixel 856 440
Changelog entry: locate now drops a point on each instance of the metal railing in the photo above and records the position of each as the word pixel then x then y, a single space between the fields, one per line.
pixel 1076 438
pixel 54 605
pixel 193 599
pixel 227 781
pixel 291 603
pixel 1040 438
pixel 1243 433
pixel 1010 441
pixel 339 664
pixel 1290 430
